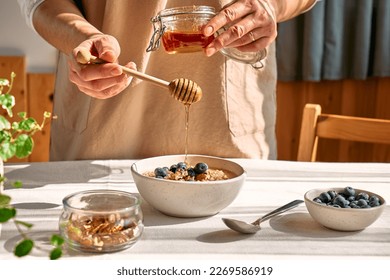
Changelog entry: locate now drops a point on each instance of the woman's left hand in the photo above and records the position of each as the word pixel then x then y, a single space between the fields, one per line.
pixel 250 24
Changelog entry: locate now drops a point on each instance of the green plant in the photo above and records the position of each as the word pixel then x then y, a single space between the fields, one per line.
pixel 16 141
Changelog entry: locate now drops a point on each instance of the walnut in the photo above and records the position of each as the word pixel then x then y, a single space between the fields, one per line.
pixel 101 231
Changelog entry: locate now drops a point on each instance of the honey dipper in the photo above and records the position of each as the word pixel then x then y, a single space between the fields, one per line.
pixel 183 90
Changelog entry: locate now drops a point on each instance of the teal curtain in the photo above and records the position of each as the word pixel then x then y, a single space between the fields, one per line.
pixel 337 39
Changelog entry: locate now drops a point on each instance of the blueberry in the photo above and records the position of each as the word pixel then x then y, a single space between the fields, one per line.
pixel 374 203
pixel 332 194
pixel 362 195
pixel 351 198
pixel 160 172
pixel 374 198
pixel 318 200
pixel 173 168
pixel 362 202
pixel 191 172
pixel 182 166
pixel 325 197
pixel 201 168
pixel 353 204
pixel 349 191
pixel 365 206
pixel 341 201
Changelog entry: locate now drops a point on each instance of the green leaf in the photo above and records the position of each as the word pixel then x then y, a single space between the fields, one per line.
pixel 24 248
pixel 17 184
pixel 27 225
pixel 24 145
pixel 4 199
pixel 22 115
pixel 4 82
pixel 7 101
pixel 15 126
pixel 7 150
pixel 5 136
pixel 6 214
pixel 27 124
pixel 55 254
pixel 4 123
pixel 56 240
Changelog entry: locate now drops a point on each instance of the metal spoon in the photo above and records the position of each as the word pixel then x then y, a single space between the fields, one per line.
pixel 244 227
pixel 183 90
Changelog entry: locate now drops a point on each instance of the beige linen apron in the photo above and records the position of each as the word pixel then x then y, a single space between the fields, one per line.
pixel 235 118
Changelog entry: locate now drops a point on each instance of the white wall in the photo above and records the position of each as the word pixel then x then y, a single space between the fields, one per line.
pixel 16 38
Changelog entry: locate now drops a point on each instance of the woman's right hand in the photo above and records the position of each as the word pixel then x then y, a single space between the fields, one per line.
pixel 101 81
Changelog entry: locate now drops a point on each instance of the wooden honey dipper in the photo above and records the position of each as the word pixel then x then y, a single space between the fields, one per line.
pixel 183 90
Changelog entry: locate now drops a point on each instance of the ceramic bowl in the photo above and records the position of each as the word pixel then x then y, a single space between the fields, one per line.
pixel 342 219
pixel 188 198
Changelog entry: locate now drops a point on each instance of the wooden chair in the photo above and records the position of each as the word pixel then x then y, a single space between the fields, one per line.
pixel 317 125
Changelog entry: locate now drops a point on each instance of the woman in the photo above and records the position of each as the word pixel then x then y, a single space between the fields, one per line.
pixel 105 114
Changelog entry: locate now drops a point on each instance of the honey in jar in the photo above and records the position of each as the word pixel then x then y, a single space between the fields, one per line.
pixel 180 29
pixel 185 41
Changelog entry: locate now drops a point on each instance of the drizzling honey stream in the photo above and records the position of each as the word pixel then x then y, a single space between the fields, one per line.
pixel 183 90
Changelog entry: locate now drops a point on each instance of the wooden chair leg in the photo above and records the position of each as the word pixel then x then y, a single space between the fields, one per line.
pixel 307 149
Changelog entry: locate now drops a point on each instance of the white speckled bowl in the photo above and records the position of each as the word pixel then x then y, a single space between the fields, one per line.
pixel 188 198
pixel 342 219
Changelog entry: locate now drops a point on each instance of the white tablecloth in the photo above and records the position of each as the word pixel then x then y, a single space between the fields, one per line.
pixel 269 185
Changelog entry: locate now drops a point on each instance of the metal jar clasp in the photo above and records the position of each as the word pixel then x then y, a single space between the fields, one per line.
pixel 158 31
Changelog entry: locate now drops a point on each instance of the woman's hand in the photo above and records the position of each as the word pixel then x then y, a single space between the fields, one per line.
pixel 250 24
pixel 99 80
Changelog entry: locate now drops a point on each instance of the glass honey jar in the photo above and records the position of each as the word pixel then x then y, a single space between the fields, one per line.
pixel 179 30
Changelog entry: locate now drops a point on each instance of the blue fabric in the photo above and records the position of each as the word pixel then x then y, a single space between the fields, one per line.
pixel 337 39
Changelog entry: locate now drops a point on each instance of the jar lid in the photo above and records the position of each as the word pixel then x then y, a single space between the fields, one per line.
pixel 101 201
pixel 203 10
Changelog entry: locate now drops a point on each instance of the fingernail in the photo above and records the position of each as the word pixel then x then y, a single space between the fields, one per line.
pixel 108 56
pixel 116 71
pixel 210 51
pixel 208 30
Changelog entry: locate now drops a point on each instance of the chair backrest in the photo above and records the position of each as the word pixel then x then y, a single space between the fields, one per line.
pixel 317 125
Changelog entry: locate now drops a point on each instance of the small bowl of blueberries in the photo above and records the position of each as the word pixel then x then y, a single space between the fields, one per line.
pixel 188 186
pixel 344 209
